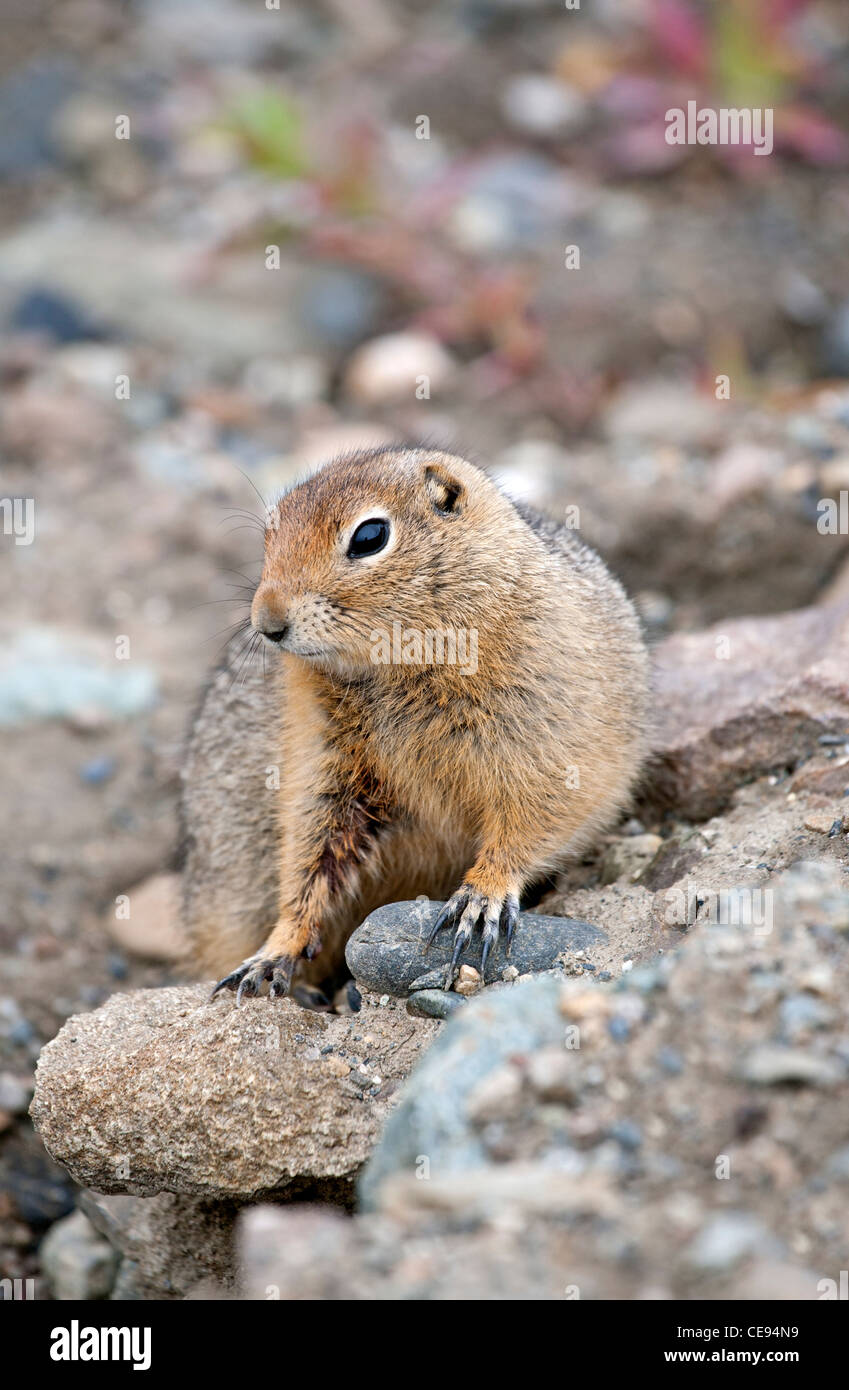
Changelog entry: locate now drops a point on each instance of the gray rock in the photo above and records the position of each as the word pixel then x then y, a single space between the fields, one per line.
pixel 729 1237
pixel 835 346
pixel 78 1263
pixel 387 953
pixel 838 1164
pixel 771 1064
pixel 801 1012
pixel 163 1091
pixel 164 1246
pixel 46 674
pixel 433 1116
pixel 628 857
pixel 432 979
pixel 15 1093
pixel 434 1003
pixel 29 100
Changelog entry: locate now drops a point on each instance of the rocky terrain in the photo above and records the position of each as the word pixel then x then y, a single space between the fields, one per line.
pixel 649 1099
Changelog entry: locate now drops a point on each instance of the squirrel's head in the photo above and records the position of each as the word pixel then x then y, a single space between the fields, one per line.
pixel 395 536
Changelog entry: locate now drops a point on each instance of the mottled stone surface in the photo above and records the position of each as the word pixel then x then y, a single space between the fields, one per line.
pixel 387 953
pixel 744 698
pixel 163 1091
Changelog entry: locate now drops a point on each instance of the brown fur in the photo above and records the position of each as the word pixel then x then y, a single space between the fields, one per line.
pixel 402 779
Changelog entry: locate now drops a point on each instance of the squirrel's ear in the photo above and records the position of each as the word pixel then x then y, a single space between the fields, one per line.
pixel 446 492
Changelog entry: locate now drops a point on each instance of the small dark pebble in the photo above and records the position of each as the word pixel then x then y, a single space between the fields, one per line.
pixel 432 979
pixel 748 1120
pixel 586 965
pixel 355 999
pixel 327 1048
pixel 43 311
pixel 605 975
pixel 98 770
pixel 21 1033
pixel 118 967
pixel 670 1060
pixel 627 1134
pixel 619 1029
pixel 434 1003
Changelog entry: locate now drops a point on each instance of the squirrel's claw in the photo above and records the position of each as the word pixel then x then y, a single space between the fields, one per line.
pixel 509 917
pixel 232 980
pixel 471 906
pixel 450 911
pixel 247 978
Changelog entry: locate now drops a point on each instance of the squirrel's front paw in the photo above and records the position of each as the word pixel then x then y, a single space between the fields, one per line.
pixel 247 977
pixel 275 961
pixel 471 906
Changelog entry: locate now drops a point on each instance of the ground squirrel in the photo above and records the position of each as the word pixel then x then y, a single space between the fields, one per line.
pixel 456 694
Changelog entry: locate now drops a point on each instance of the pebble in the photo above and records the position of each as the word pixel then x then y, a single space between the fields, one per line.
pixel 340 305
pixel 15 1093
pixel 539 105
pixel 553 1074
pixel 670 1061
pixel 801 1012
pixel 117 966
pixel 152 931
pixel 838 1164
pixel 836 342
pixel 726 1239
pixel 78 1263
pixel 513 199
pixel 627 1134
pixel 468 981
pixel 496 1097
pixel 434 1003
pixel 824 824
pixel 432 979
pixel 336 1065
pixel 388 368
pixel 98 770
pixel 628 857
pixel 48 675
pixel 772 1064
pixel 43 311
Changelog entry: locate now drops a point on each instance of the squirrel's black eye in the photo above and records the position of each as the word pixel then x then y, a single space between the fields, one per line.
pixel 369 538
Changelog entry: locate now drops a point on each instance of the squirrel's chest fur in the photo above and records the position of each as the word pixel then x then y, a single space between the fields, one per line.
pixel 421 749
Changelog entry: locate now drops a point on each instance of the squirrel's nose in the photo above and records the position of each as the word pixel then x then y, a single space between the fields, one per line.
pixel 274 634
pixel 267 619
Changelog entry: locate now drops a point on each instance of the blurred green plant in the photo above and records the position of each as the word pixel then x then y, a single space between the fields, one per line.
pixel 752 53
pixel 270 127
pixel 748 61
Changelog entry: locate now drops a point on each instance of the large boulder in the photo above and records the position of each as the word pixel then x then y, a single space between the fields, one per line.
pixel 745 698
pixel 167 1091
